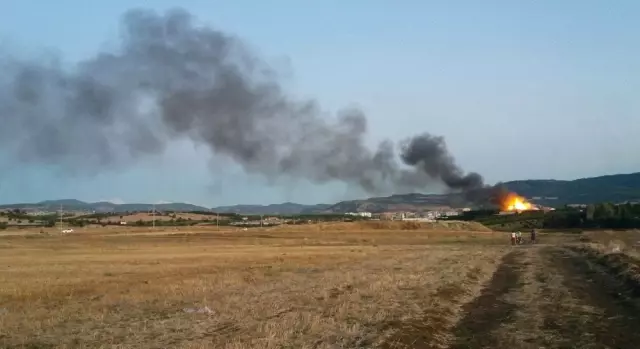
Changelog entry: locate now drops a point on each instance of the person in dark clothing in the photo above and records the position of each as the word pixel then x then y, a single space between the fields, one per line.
pixel 533 236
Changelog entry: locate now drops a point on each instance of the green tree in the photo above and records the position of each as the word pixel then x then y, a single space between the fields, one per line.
pixel 622 212
pixel 604 211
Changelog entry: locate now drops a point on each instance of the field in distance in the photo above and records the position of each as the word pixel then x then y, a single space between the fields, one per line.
pixel 340 285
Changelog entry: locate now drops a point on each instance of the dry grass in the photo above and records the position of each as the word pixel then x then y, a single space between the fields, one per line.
pixel 282 287
pixel 617 258
pixel 404 225
pixel 622 241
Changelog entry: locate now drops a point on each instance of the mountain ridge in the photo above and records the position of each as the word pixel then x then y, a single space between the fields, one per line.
pixel 102 206
pixel 550 192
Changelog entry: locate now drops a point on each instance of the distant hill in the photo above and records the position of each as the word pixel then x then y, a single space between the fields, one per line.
pixel 402 202
pixel 77 205
pixel 407 202
pixel 279 209
pixel 611 188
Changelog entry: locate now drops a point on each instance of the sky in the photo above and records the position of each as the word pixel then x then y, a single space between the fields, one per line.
pixel 519 89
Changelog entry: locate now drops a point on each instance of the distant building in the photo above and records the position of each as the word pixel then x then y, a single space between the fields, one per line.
pixel 39 213
pixel 361 214
pixel 419 219
pixel 393 216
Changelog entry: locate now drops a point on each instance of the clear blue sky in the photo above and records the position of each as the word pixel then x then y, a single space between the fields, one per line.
pixel 520 89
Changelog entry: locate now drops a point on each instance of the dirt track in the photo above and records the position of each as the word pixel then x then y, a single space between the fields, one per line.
pixel 550 297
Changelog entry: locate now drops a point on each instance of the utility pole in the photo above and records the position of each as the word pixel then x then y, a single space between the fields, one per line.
pixel 154 216
pixel 218 220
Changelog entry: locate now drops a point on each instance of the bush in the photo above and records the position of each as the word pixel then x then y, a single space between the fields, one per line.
pixel 77 223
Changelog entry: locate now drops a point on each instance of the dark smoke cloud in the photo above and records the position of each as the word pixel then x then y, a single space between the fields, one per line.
pixel 430 155
pixel 171 79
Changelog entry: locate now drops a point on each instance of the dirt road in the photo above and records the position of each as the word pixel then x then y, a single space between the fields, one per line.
pixel 546 297
pixel 550 297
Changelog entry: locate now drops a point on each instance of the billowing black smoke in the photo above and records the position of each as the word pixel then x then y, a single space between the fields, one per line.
pixel 429 154
pixel 170 79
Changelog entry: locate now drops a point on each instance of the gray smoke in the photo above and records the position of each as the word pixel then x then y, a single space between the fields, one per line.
pixel 170 79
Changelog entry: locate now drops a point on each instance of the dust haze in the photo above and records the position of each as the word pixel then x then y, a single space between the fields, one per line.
pixel 170 79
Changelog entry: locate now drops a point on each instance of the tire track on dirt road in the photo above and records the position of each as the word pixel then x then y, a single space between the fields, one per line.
pixel 550 297
pixel 441 303
pixel 491 309
pixel 590 309
pixel 545 297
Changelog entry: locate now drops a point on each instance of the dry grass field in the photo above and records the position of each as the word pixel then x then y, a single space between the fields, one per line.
pixel 338 285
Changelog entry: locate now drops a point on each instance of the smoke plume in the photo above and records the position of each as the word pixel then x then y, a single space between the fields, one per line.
pixel 170 79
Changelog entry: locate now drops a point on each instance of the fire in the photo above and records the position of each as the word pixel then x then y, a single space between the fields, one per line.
pixel 515 202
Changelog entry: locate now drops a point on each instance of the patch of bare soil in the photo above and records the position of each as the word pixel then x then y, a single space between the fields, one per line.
pixel 491 309
pixel 441 308
pixel 551 297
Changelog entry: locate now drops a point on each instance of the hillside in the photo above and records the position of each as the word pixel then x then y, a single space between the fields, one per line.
pixel 77 205
pixel 611 188
pixel 280 209
pixel 406 202
pixel 403 202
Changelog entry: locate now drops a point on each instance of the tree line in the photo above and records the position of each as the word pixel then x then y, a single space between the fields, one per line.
pixel 596 216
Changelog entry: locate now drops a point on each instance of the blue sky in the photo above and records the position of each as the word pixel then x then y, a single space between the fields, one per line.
pixel 519 89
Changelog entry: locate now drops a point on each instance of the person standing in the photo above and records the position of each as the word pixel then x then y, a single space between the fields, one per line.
pixel 513 238
pixel 533 236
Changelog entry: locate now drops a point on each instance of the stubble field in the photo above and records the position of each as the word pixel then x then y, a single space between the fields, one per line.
pixel 335 286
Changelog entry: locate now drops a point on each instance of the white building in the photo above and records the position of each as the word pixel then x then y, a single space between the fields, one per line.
pixel 361 214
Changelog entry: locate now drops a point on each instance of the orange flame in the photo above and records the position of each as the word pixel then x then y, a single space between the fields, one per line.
pixel 515 202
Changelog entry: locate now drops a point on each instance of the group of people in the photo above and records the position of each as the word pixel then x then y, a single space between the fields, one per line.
pixel 516 237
